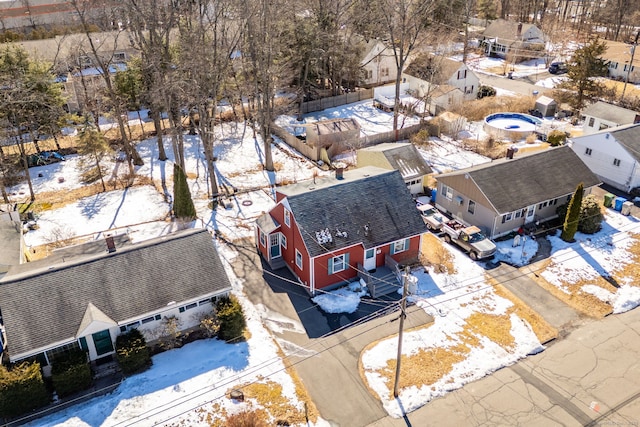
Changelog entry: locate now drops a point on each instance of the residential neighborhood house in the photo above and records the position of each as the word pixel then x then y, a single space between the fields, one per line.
pixel 378 63
pixel 441 81
pixel 613 155
pixel 618 56
pixel 401 156
pixel 85 296
pixel 516 41
pixel 600 116
pixel 333 230
pixel 506 194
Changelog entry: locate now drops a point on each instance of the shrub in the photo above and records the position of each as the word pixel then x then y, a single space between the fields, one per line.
pixel 486 91
pixel 21 390
pixel 71 373
pixel 245 419
pixel 132 352
pixel 231 317
pixel 590 215
pixel 556 138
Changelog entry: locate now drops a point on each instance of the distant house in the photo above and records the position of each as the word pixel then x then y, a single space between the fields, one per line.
pixel 613 155
pixel 503 195
pixel 618 55
pixel 85 296
pixel 378 63
pixel 428 72
pixel 516 40
pixel 401 156
pixel 600 116
pixel 333 230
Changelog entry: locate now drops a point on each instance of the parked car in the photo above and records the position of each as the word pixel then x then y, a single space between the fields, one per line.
pixel 469 238
pixel 558 68
pixel 431 216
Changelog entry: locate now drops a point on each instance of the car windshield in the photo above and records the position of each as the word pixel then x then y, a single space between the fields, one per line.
pixel 476 237
pixel 429 212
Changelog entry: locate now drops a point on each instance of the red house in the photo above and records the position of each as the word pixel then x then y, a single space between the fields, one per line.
pixel 360 224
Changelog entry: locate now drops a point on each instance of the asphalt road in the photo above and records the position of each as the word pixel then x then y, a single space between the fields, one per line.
pixel 589 377
pixel 521 86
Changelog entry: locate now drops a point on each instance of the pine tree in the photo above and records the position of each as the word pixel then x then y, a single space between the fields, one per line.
pixel 182 204
pixel 584 68
pixel 572 217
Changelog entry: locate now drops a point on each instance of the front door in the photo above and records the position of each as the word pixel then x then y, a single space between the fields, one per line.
pixel 274 243
pixel 369 259
pixel 102 342
pixel 530 214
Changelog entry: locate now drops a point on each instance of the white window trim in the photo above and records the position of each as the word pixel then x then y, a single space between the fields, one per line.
pixel 343 263
pixel 287 217
pixel 400 246
pixel 299 260
pixel 283 240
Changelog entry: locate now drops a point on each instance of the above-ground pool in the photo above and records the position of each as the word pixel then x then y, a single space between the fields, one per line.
pixel 510 125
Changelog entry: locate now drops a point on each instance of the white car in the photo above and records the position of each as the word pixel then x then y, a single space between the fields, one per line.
pixel 431 216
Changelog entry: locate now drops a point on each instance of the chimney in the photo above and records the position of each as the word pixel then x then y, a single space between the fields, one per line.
pixel 111 245
pixel 519 33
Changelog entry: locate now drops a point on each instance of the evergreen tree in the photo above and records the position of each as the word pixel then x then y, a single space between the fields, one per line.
pixel 231 317
pixel 583 69
pixel 94 148
pixel 182 204
pixel 572 217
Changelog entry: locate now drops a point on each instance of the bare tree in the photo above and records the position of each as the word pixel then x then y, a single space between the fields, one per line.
pixel 102 55
pixel 403 22
pixel 266 63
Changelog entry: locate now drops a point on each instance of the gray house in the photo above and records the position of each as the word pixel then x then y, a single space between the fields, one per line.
pixel 401 156
pixel 501 196
pixel 517 40
pixel 85 298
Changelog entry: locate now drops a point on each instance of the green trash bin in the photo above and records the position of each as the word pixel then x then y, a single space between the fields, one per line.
pixel 608 200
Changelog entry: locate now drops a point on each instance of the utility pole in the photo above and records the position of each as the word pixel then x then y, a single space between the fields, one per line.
pixel 403 307
pixel 633 52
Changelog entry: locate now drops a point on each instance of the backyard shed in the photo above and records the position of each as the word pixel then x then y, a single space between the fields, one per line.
pixel 546 106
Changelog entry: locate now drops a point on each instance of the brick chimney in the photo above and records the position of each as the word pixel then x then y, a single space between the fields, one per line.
pixel 111 245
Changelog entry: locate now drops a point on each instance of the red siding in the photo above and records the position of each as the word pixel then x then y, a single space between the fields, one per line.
pixel 321 267
pixel 410 254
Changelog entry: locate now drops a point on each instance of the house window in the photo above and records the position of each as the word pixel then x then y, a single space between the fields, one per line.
pixel 616 162
pixel 507 217
pixel 298 259
pixel 129 326
pixel 384 72
pixel 368 74
pixel 468 89
pixel 472 207
pixel 262 239
pixel 399 246
pixel 338 263
pixel 447 192
pixel 188 307
pixel 588 151
pixel 147 320
pixel 543 205
pixel 462 74
pixel 119 57
pixel 287 218
pixel 592 120
pixel 205 302
pixel 283 240
pixel 520 214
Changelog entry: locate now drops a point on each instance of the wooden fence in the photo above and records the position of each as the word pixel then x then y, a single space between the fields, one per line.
pixel 335 101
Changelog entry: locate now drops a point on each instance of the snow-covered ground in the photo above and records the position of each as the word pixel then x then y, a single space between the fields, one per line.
pixel 183 380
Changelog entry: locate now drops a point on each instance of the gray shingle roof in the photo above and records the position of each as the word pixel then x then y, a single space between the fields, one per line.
pixel 529 179
pixel 611 113
pixel 505 31
pixel 629 137
pixel 368 196
pixel 40 308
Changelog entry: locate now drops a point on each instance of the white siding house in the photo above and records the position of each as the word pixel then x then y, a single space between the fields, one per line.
pixel 378 64
pixel 613 155
pixel 601 116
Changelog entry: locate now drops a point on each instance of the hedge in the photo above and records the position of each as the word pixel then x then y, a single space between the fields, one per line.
pixel 132 352
pixel 71 373
pixel 21 390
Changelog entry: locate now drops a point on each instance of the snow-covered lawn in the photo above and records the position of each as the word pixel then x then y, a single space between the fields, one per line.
pixel 579 267
pixel 459 301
